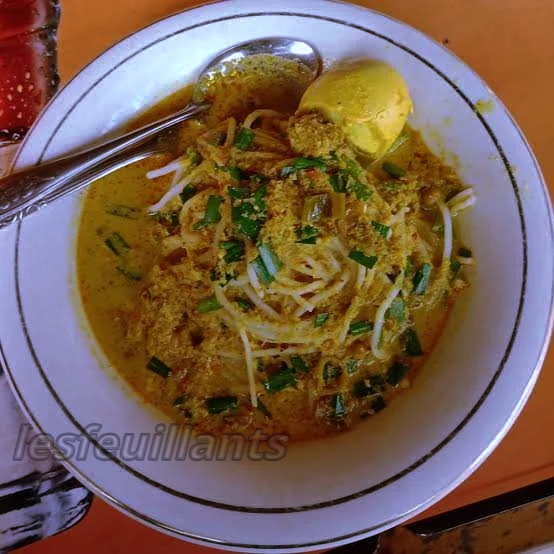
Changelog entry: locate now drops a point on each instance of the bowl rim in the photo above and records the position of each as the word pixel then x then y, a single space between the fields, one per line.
pixel 265 10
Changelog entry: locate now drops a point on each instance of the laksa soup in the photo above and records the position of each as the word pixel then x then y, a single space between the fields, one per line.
pixel 287 264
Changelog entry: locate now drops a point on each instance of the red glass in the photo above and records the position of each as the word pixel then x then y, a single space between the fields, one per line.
pixel 28 63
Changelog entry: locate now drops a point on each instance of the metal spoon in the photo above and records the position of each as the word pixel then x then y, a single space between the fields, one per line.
pixel 24 192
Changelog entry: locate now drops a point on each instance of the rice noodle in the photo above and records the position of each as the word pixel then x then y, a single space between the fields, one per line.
pixel 380 320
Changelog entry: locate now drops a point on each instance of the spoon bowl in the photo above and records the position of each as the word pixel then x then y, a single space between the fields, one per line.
pixel 25 192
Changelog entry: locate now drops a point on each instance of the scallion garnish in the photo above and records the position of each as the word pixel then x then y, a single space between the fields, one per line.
pixel 248 211
pixel 397 310
pixel 412 346
pixel 219 404
pixel 331 371
pixel 244 304
pixel 270 259
pixel 281 380
pixel 208 304
pixel 187 193
pixel 299 364
pixel 236 173
pixel 360 327
pixel 307 234
pixel 244 139
pixel 119 210
pixel 359 257
pixel 321 318
pixel 117 244
pixel 421 279
pixel 455 265
pixel 344 181
pixel 383 230
pixel 211 215
pixel 234 250
pixel 261 271
pixel 158 367
pixel 304 163
pixel 394 170
pixel 352 366
pixel 396 373
pixel 378 404
pixel 263 409
pixel 129 273
pixel 338 409
pixel 178 402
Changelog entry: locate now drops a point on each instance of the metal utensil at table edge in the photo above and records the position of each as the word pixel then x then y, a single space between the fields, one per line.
pixel 24 192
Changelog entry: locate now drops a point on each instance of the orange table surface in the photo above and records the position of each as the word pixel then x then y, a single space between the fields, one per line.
pixel 511 45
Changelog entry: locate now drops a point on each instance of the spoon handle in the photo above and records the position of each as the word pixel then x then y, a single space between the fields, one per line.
pixel 24 192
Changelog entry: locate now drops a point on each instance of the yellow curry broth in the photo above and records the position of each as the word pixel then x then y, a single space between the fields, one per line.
pixel 135 301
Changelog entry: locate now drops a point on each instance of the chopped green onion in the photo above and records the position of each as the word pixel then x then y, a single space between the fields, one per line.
pixel 455 265
pixel 378 404
pixel 259 179
pixel 263 409
pixel 393 170
pixel 321 318
pixel 331 372
pixel 361 389
pixel 211 215
pixel 396 373
pixel 281 380
pixel 219 404
pixel 465 252
pixel 209 304
pixel 352 366
pixel 236 173
pixel 244 139
pixel 397 310
pixel 270 259
pixel 117 244
pixel 234 250
pixel 360 190
pixel 307 235
pixel 261 271
pixel 248 210
pixel 299 364
pixel 158 367
pixel 421 279
pixel 169 220
pixel 338 410
pixel 338 180
pixel 304 163
pixel 359 257
pixel 244 303
pixel 345 181
pixel 179 401
pixel 360 327
pixel 238 192
pixel 374 384
pixel 120 210
pixel 383 230
pixel 130 274
pixel 412 346
pixel 187 193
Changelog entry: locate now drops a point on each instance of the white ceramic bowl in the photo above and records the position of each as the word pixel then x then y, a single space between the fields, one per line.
pixel 324 492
